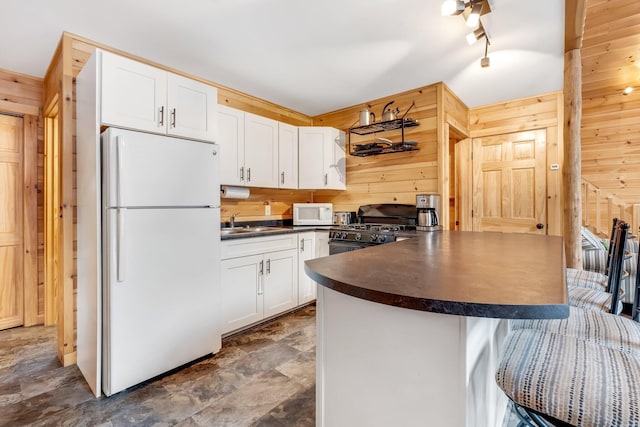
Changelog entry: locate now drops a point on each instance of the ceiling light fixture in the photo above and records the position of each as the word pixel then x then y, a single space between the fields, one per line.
pixel 452 7
pixel 476 35
pixel 473 18
pixel 484 62
pixel 471 10
pixel 627 90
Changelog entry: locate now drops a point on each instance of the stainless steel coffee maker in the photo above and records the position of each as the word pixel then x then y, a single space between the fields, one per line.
pixel 428 212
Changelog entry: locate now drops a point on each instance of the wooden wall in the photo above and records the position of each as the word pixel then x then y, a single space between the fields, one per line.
pixel 21 94
pixel 610 120
pixel 389 178
pixel 537 112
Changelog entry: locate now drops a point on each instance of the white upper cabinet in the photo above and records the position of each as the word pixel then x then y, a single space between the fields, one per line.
pixel 141 97
pixel 134 95
pixel 321 158
pixel 191 108
pixel 231 142
pixel 260 151
pixel 287 156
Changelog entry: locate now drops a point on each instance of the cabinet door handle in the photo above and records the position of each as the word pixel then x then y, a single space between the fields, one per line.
pixel 282 177
pixel 161 121
pixel 260 286
pixel 173 117
pixel 248 174
pixel 326 179
pixel 301 245
pixel 242 173
pixel 269 266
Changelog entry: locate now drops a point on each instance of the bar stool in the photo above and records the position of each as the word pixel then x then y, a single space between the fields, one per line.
pixel 562 380
pixel 609 301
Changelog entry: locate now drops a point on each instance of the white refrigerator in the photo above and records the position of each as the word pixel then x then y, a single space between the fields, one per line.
pixel 160 262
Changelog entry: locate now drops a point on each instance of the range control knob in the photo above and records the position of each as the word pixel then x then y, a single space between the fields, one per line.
pixel 373 237
pixel 345 234
pixel 382 238
pixel 358 236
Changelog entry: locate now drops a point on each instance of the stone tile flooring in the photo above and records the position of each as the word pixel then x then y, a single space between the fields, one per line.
pixel 263 377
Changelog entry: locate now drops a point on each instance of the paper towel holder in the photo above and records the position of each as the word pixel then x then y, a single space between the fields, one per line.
pixel 231 192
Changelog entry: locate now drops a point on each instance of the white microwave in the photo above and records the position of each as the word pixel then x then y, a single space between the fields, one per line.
pixel 312 214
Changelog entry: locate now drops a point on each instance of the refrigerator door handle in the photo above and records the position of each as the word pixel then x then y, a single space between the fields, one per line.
pixel 120 177
pixel 121 257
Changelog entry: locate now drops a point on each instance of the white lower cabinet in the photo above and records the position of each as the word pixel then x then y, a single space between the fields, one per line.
pixel 322 243
pixel 306 251
pixel 259 279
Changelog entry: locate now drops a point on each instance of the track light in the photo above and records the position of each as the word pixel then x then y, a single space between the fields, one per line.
pixel 476 35
pixel 484 62
pixel 474 16
pixel 452 7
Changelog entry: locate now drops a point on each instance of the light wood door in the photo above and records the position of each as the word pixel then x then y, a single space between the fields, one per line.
pixel 463 194
pixel 11 222
pixel 509 193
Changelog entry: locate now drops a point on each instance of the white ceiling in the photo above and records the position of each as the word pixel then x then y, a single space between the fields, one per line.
pixel 310 56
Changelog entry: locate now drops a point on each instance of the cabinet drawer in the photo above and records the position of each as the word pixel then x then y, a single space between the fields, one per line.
pixel 258 245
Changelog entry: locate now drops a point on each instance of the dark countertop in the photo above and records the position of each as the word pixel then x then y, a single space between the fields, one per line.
pixel 499 275
pixel 281 230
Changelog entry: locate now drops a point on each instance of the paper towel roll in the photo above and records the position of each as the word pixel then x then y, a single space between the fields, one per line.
pixel 229 192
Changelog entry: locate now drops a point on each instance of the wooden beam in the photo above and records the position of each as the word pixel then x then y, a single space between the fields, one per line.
pixel 575 12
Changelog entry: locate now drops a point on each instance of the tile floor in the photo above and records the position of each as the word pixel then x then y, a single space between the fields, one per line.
pixel 264 377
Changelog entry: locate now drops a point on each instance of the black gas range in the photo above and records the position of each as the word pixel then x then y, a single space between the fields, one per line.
pixel 377 224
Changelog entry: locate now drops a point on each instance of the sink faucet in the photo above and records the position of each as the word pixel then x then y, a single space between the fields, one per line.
pixel 233 219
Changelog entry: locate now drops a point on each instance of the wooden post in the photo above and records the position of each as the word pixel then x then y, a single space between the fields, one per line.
pixel 572 156
pixel 575 12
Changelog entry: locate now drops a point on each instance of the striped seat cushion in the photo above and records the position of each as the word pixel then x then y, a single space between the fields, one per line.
pixel 575 381
pixel 596 261
pixel 586 279
pixel 591 299
pixel 590 241
pixel 605 329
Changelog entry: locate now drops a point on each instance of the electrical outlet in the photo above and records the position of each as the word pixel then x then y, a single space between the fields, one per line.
pixel 267 210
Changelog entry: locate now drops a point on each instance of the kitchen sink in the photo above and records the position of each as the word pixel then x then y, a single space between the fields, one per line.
pixel 260 229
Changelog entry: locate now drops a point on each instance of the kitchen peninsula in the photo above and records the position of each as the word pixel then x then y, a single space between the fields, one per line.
pixel 409 333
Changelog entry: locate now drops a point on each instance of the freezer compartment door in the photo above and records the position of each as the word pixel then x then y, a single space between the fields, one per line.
pixel 142 170
pixel 161 294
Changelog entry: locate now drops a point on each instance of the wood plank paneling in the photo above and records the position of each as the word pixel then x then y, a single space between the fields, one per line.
pixel 390 178
pixel 537 112
pixel 610 128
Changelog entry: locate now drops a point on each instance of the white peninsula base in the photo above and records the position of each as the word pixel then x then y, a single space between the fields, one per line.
pixel 381 365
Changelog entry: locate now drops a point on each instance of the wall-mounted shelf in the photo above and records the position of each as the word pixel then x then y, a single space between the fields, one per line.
pixel 380 147
pixel 384 126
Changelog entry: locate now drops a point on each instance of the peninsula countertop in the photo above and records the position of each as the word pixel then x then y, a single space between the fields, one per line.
pixel 498 275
